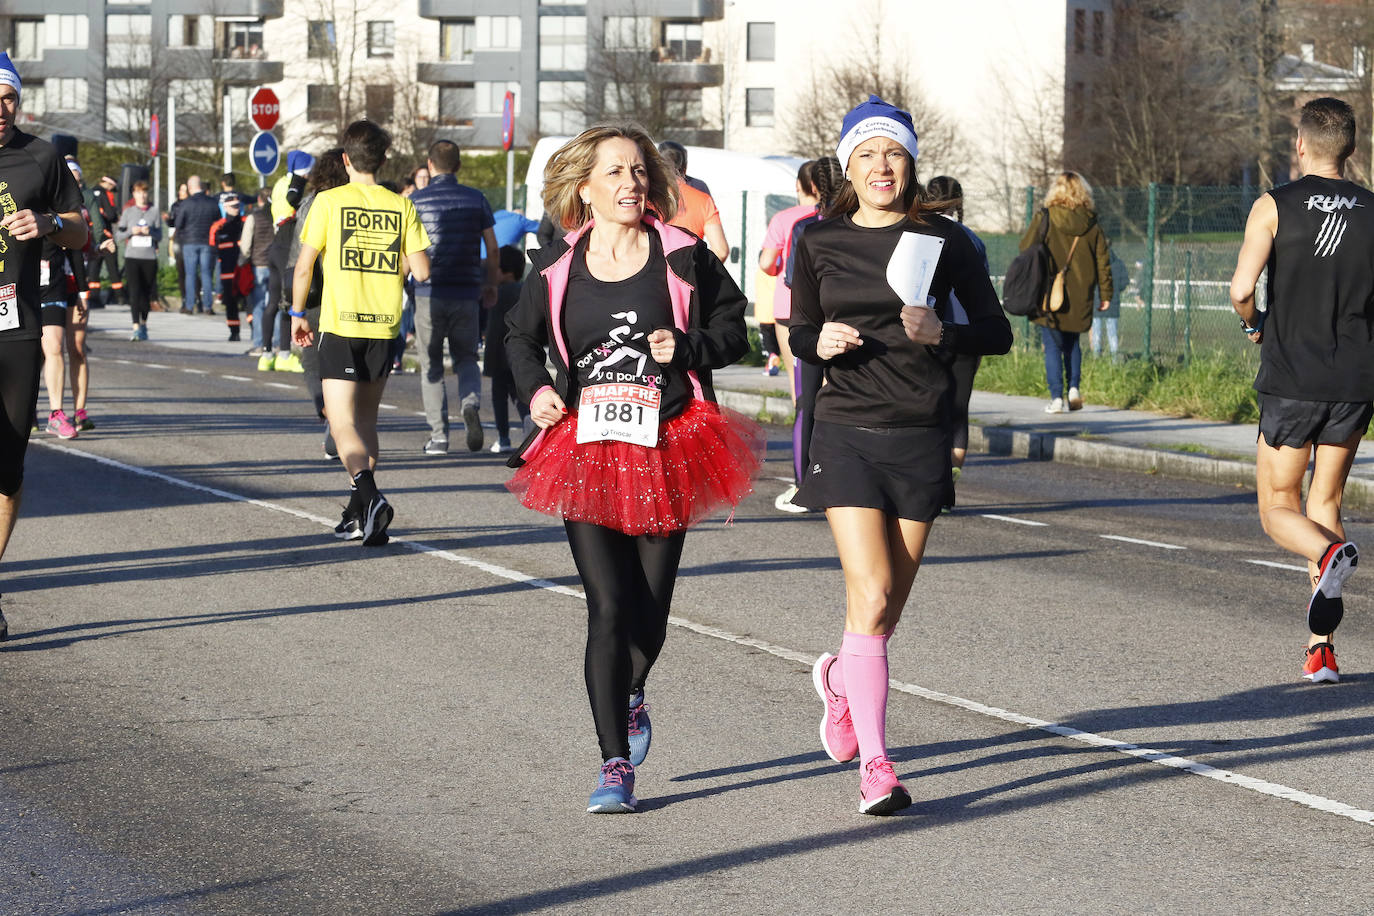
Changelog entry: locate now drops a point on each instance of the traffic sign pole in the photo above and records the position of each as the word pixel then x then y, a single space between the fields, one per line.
pixel 508 140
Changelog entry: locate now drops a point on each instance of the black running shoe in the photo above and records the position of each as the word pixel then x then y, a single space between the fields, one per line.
pixel 348 528
pixel 375 519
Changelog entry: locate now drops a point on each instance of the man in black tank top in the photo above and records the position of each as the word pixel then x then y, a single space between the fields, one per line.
pixel 1316 378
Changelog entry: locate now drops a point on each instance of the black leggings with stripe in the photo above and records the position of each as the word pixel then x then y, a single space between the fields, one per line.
pixel 629 583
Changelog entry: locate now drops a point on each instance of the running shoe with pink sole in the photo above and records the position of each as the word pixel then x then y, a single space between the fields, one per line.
pixel 880 792
pixel 837 728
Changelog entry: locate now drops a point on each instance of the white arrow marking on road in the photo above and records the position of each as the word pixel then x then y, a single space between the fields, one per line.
pixel 1163 758
pixel 1117 537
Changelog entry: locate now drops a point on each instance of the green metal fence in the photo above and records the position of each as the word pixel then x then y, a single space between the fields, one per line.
pixel 1180 246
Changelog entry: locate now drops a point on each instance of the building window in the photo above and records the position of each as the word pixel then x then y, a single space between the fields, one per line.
pixel 490 97
pixel 193 95
pixel 66 32
pixel 28 41
pixel 682 106
pixel 321 103
pixel 457 38
pixel 1080 30
pixel 191 31
pixel 455 105
pixel 128 103
pixel 64 94
pixel 561 107
pixel 681 41
pixel 498 33
pixel 128 41
pixel 34 100
pixel 320 38
pixel 381 103
pixel 760 41
pixel 1099 32
pixel 758 107
pixel 241 39
pixel 562 42
pixel 627 33
pixel 381 38
pixel 1077 101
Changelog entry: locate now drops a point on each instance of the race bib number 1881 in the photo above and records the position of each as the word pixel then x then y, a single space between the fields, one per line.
pixel 9 307
pixel 628 413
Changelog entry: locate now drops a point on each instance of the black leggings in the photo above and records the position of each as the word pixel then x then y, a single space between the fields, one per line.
pixel 503 391
pixel 629 583
pixel 19 366
pixel 140 277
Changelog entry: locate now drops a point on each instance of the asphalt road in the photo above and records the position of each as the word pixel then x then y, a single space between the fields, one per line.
pixel 212 706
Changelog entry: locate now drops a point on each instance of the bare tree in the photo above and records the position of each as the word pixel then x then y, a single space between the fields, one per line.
pixel 836 86
pixel 1023 145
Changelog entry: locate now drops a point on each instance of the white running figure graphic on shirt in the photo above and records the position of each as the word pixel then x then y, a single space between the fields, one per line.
pixel 624 351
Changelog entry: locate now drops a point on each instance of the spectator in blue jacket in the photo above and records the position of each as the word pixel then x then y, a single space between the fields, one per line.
pixel 511 226
pixel 448 306
pixel 195 215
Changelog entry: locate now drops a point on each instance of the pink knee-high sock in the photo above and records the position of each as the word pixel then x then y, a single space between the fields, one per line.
pixel 836 676
pixel 863 664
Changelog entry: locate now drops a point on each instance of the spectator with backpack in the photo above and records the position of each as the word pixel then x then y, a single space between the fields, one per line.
pixel 1080 253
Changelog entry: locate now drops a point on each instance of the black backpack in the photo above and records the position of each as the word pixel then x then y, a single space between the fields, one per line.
pixel 1028 276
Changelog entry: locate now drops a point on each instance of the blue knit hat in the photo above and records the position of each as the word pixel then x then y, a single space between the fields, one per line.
pixel 8 75
pixel 299 162
pixel 875 118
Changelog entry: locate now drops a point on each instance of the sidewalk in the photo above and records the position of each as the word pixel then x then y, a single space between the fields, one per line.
pixel 1132 440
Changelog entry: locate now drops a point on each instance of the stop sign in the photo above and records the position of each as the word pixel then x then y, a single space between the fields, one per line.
pixel 263 108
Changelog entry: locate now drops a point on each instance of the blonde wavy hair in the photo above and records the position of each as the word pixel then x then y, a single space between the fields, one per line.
pixel 1070 191
pixel 570 168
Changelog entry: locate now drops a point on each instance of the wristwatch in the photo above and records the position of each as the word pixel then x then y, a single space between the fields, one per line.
pixel 56 224
pixel 947 334
pixel 1259 323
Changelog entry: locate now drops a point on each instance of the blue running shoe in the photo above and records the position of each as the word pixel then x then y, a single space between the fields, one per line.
pixel 641 732
pixel 615 789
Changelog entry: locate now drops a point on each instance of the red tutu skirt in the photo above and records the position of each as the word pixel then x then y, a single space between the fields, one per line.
pixel 706 458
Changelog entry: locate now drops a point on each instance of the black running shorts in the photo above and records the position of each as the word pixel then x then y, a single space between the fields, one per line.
pixel 19 365
pixel 1286 421
pixel 353 359
pixel 904 471
pixel 53 315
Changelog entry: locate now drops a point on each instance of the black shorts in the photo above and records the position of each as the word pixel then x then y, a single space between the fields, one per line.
pixel 904 471
pixel 19 364
pixel 1294 423
pixel 53 315
pixel 353 359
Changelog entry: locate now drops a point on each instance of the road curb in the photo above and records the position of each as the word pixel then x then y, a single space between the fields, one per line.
pixel 1007 441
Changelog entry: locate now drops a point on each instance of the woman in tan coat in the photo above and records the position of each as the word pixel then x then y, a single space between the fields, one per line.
pixel 1075 239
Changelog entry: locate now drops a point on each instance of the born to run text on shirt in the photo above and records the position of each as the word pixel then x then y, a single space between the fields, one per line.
pixel 371 240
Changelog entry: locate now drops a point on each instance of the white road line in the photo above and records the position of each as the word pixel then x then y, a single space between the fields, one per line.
pixel 1274 565
pixel 1150 755
pixel 1117 537
pixel 236 378
pixel 1016 521
pixel 154 366
pixel 195 371
pixel 280 385
pixel 388 407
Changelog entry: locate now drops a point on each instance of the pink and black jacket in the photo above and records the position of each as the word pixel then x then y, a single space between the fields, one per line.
pixel 708 315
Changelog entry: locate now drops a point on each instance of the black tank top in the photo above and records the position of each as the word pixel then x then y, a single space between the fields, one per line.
pixel 1319 336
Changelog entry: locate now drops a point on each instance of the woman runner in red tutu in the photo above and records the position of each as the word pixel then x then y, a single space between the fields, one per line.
pixel 630 447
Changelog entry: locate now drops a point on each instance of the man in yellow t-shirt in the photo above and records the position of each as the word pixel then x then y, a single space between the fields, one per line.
pixel 368 238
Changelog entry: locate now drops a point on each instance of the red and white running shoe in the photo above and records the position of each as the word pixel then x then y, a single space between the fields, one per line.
pixel 1321 664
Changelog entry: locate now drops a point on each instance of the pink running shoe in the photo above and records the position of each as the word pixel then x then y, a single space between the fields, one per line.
pixel 879 790
pixel 837 729
pixel 60 426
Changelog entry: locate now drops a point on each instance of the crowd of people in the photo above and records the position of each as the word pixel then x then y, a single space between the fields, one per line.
pixel 881 310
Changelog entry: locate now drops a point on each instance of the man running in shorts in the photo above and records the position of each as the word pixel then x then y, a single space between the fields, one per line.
pixel 368 237
pixel 1316 377
pixel 39 200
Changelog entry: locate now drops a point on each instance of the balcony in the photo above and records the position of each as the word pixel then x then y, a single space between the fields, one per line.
pixel 242 72
pixel 444 72
pixel 664 9
pixel 690 73
pixel 265 9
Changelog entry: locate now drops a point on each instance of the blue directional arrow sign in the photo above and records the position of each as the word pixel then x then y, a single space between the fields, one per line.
pixel 264 152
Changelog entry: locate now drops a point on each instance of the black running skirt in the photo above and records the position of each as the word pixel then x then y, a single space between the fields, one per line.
pixel 903 471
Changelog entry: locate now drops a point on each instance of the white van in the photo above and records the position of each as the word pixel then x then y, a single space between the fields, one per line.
pixel 748 191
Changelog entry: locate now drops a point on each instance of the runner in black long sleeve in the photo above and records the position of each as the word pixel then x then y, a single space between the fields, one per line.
pixel 872 301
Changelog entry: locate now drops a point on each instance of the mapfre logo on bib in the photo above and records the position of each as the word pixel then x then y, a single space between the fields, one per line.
pixel 371 240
